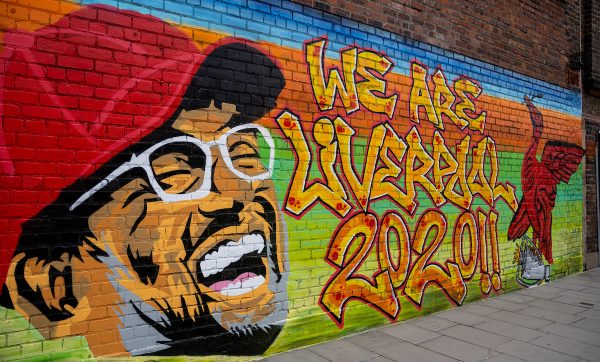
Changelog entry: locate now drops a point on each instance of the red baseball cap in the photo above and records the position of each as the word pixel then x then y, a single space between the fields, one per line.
pixel 76 93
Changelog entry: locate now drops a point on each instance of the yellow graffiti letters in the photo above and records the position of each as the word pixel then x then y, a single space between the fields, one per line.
pixel 351 251
pixel 393 148
pixel 370 67
pixel 391 167
pixel 477 179
pixel 457 106
pixel 393 223
pixel 465 222
pixel 369 62
pixel 331 192
pixel 443 98
pixel 418 165
pixel 424 271
pixel 326 90
pixel 348 282
pixel 468 91
pixel 420 97
pixel 361 189
pixel 459 178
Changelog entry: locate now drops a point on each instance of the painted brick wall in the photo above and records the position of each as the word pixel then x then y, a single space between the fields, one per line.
pixel 241 177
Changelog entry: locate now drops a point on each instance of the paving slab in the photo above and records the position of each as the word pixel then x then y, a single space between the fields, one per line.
pixel 557 306
pixel 588 293
pixel 460 317
pixel 533 353
pixel 550 315
pixel 566 284
pixel 576 298
pixel 457 349
pixel 568 346
pixel 501 357
pixel 395 349
pixel 480 309
pixel 514 297
pixel 548 292
pixel 380 359
pixel 475 336
pixel 592 289
pixel 297 355
pixel 410 333
pixel 432 322
pixel 520 319
pixel 504 304
pixel 343 351
pixel 509 330
pixel 590 313
pixel 589 324
pixel 578 334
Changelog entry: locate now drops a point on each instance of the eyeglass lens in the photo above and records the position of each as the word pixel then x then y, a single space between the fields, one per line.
pixel 179 167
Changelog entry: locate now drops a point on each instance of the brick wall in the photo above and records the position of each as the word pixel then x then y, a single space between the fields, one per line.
pixel 500 32
pixel 240 177
pixel 591 45
pixel 591 117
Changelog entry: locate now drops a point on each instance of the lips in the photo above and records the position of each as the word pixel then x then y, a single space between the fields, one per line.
pixel 234 267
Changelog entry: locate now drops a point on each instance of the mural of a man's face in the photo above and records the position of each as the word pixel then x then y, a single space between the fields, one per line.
pixel 185 254
pixel 211 257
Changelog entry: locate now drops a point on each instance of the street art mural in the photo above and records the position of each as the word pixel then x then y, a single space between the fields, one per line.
pixel 211 180
pixel 539 179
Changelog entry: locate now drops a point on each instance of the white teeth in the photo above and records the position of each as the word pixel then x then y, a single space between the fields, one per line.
pixel 231 252
pixel 243 287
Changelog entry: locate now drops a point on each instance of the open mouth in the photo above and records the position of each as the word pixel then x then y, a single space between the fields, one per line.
pixel 234 267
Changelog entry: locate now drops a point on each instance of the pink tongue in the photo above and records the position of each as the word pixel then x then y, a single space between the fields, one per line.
pixel 218 286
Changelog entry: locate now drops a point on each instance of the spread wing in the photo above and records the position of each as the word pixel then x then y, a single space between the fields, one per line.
pixel 520 222
pixel 544 203
pixel 562 159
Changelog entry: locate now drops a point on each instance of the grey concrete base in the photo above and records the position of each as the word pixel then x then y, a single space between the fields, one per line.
pixel 559 321
pixel 591 261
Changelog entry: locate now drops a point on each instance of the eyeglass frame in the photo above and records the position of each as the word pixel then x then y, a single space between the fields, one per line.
pixel 143 160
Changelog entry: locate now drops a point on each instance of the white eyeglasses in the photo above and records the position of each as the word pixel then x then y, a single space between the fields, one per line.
pixel 183 164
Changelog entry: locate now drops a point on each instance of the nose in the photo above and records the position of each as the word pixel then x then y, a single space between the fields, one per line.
pixel 228 193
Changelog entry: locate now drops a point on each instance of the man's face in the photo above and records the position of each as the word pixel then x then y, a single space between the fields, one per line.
pixel 215 261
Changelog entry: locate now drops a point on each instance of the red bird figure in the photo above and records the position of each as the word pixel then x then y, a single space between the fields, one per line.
pixel 559 161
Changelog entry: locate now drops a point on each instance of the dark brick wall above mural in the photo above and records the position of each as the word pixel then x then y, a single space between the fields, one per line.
pixel 591 46
pixel 537 38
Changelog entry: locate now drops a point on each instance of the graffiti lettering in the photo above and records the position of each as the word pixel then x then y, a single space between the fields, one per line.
pixel 334 137
pixel 401 274
pixel 347 283
pixel 424 270
pixel 457 106
pixel 370 66
pixel 403 170
pixel 330 192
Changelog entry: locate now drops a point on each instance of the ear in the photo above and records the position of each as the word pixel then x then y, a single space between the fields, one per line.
pixel 42 289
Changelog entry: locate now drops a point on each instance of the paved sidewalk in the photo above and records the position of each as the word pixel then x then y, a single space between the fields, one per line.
pixel 559 321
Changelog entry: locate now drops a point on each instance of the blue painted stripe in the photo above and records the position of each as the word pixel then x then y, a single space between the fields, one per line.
pixel 289 24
